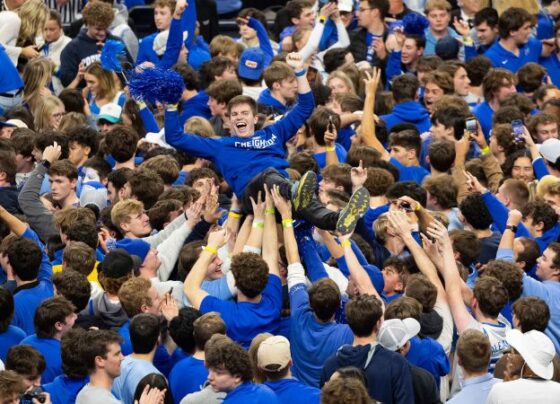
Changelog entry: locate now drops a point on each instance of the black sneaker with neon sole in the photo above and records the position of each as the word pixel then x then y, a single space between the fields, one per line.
pixel 349 216
pixel 305 191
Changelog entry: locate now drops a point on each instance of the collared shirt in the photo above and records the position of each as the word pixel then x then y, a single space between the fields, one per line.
pixel 475 390
pixel 502 57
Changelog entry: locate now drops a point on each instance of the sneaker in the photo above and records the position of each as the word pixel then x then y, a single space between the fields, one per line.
pixel 305 191
pixel 349 216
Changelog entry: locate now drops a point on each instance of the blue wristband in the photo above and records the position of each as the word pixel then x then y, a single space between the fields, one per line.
pixel 301 73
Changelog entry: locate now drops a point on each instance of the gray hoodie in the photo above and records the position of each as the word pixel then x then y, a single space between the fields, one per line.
pixel 121 29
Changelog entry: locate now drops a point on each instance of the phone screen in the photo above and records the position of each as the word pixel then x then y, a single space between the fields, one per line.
pixel 471 126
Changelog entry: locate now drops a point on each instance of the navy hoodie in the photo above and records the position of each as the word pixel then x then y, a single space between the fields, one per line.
pixel 388 373
pixel 410 112
pixel 81 49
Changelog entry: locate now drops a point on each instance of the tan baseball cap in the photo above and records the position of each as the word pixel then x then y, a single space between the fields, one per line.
pixel 274 354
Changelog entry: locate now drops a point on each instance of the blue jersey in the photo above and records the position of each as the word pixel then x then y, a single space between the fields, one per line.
pixel 501 57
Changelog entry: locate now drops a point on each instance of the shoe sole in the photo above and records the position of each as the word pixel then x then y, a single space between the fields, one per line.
pixel 305 190
pixel 350 215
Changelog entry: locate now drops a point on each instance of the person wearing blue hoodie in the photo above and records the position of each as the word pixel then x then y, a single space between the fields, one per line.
pixel 86 47
pixel 407 108
pixel 387 373
pixel 282 88
pixel 10 83
pixel 65 387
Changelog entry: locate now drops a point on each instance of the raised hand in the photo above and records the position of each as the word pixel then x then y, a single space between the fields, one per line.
pixel 169 307
pixel 52 152
pixel 193 214
pixel 217 239
pixel 372 81
pixel 439 233
pixel 258 207
pixel 358 176
pixel 514 217
pixel 399 222
pixel 282 205
pixel 180 8
pixel 461 26
pixel 295 61
pixel 473 184
pixel 151 396
pixel 330 136
pixel 328 9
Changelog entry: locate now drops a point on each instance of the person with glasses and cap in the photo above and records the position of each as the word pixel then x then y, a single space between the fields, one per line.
pixel 535 384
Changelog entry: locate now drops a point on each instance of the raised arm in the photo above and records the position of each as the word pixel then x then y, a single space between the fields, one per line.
pixel 264 40
pixel 505 249
pixel 175 38
pixel 270 248
pixel 368 120
pixel 312 44
pixel 243 235
pixel 255 240
pixel 450 272
pixel 193 282
pixel 358 273
pixel 15 225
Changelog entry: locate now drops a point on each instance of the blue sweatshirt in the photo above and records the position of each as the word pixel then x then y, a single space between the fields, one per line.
pixel 249 392
pixel 146 51
pixel 241 159
pixel 181 385
pixel 501 57
pixel 266 98
pixel 50 349
pixel 12 336
pixel 484 114
pixel 64 390
pixel 196 106
pixel 410 112
pixel 552 66
pixel 9 79
pixel 294 391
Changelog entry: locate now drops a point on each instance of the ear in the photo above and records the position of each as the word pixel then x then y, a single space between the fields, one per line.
pixel 58 326
pixel 411 154
pixel 87 150
pixel 539 226
pixel 275 85
pixel 294 21
pixel 73 184
pixel 144 308
pixel 3 176
pixel 125 227
pixel 99 362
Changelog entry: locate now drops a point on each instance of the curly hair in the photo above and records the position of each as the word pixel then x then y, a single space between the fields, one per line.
pixel 507 273
pixel 344 391
pixel 98 14
pixel 222 353
pixel 250 272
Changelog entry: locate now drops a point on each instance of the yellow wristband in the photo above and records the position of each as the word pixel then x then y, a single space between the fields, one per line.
pixel 286 223
pixel 234 215
pixel 330 148
pixel 486 150
pixel 141 104
pixel 345 243
pixel 211 250
pixel 322 19
pixel 258 224
pixel 172 107
pixel 270 211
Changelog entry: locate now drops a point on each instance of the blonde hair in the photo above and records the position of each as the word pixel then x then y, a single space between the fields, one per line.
pixel 339 74
pixel 72 120
pixel 108 84
pixel 121 212
pixel 199 126
pixel 380 227
pixel 36 75
pixel 33 15
pixel 44 110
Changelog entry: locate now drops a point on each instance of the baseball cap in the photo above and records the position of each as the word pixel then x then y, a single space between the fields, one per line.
pixel 14 123
pixel 550 150
pixel 118 263
pixel 135 247
pixel 274 354
pixel 395 333
pixel 536 349
pixel 251 64
pixel 110 112
pixel 345 5
pixel 447 48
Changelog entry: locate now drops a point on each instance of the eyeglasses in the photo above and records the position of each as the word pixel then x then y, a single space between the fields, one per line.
pixel 58 115
pixel 364 9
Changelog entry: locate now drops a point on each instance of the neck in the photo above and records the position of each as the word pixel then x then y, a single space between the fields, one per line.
pixel 4 183
pixel 494 104
pixel 377 27
pixel 434 172
pixel 476 90
pixel 395 245
pixel 371 339
pixel 509 44
pixel 126 164
pixel 242 298
pixel 149 357
pixel 482 233
pixel 276 95
pixel 199 355
pixel 484 318
pixel 252 42
pixel 101 379
pixel 11 5
pixel 70 200
pixel 188 94
pixel 439 34
pixel 377 201
pixel 19 282
pixel 470 375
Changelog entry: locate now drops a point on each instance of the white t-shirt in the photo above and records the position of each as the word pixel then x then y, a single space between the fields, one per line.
pixel 525 391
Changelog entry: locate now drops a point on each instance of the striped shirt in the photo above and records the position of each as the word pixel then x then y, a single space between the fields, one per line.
pixel 69 12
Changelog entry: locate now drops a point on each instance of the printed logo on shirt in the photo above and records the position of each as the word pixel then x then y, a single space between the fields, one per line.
pixel 90 59
pixel 257 143
pixel 504 61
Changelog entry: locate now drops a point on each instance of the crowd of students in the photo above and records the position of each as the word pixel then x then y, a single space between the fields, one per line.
pixel 360 204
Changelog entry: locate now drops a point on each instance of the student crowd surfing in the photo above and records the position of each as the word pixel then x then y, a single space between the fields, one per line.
pixel 344 202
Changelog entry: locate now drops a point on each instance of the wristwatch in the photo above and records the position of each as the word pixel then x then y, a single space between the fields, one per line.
pixel 46 163
pixel 511 227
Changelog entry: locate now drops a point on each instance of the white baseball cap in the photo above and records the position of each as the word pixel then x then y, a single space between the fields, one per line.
pixel 395 333
pixel 110 112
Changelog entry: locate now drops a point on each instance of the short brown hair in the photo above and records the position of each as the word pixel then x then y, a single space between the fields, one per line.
pixel 122 210
pixel 530 76
pixel 542 118
pixel 163 165
pixel 437 5
pixel 242 99
pixel 277 71
pixel 349 102
pixel 159 213
pixel 443 188
pixel 121 142
pixel 250 272
pixel 165 3
pixel 8 165
pixel 26 361
pixel 404 307
pixel 474 351
pixel 205 326
pixel 11 384
pixel 507 273
pixel 78 256
pixel 517 191
pixel 494 80
pixel 324 298
pixel 63 168
pixel 441 79
pixel 339 174
pixel 222 353
pixel 98 14
pixel 467 245
pixel 532 313
pixel 146 186
pixel 442 154
pixel 133 294
pixel 197 125
pixel 224 90
pixel 344 391
pixel 67 217
pixel 491 295
pixel 74 286
pixel 363 312
pixel 223 45
pixel 419 287
pixel 50 312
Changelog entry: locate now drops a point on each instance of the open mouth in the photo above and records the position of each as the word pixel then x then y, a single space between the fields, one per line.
pixel 241 125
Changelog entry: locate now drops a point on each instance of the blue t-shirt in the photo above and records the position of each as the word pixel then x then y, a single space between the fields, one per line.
pixel 132 371
pixel 428 354
pixel 12 336
pixel 50 349
pixel 26 301
pixel 552 66
pixel 411 173
pixel 321 158
pixel 251 393
pixel 294 391
pixel 484 114
pixel 501 57
pixel 245 320
pixel 64 390
pixel 312 342
pixel 180 385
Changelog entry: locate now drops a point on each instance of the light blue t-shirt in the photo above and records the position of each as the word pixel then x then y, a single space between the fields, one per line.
pixel 475 390
pixel 132 371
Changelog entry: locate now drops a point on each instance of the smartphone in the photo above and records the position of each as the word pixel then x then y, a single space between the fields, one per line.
pixel 471 126
pixel 517 128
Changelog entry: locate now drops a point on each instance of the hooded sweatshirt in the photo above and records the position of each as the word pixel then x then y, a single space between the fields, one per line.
pixel 409 112
pixel 266 98
pixel 110 312
pixel 122 30
pixel 388 373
